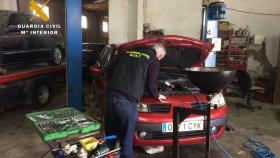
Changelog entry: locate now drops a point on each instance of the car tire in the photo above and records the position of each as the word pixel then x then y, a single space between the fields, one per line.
pixel 56 56
pixel 41 94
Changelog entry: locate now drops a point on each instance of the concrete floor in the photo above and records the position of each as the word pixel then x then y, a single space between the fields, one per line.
pixel 19 140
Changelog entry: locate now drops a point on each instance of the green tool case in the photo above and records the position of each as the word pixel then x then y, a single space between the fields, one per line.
pixel 60 123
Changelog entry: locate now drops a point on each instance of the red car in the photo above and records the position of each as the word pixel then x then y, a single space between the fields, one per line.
pixel 154 125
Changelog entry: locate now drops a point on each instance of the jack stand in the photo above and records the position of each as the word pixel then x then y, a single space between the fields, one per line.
pixel 179 115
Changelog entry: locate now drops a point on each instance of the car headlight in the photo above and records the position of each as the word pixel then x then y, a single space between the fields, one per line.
pixel 143 107
pixel 218 100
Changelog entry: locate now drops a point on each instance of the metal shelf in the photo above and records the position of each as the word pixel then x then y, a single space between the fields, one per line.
pixel 233 51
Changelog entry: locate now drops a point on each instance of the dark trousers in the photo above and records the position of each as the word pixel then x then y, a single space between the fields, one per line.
pixel 120 120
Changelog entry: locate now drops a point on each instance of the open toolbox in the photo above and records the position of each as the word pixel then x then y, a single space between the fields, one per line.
pixel 60 123
pixel 102 151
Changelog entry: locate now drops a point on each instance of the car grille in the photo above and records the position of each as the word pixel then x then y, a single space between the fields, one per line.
pixel 160 108
pixel 160 135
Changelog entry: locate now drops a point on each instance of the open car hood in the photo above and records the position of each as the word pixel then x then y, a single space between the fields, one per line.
pixel 182 52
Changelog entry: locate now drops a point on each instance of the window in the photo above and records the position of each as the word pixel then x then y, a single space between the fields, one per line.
pixel 105 26
pixel 45 10
pixel 84 22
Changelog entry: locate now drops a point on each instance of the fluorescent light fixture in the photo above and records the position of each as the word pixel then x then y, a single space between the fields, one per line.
pixel 105 26
pixel 84 22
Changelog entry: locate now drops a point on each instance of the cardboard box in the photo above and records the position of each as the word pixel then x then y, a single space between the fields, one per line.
pixel 224 25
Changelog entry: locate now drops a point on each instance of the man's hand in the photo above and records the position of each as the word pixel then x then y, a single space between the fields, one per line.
pixel 161 97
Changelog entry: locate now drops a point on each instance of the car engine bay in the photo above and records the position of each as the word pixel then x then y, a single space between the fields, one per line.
pixel 170 84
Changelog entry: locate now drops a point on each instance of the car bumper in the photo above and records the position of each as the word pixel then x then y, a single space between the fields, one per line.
pixel 154 136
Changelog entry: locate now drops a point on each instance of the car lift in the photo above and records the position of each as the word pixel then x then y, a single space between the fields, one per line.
pixel 22 75
pixel 74 58
pixel 20 85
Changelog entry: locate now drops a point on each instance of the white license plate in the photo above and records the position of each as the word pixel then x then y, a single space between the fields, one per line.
pixel 186 126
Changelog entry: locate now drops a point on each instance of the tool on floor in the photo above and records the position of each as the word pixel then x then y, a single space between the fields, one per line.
pixel 153 149
pixel 60 123
pixel 103 148
pixel 68 149
pixel 57 154
pixel 256 143
pixel 61 130
pixel 91 143
pixel 82 153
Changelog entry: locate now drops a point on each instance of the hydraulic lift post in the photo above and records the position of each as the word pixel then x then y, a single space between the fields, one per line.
pixel 74 53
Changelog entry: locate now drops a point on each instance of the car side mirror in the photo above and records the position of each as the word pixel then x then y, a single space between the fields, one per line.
pixel 97 70
pixel 12 28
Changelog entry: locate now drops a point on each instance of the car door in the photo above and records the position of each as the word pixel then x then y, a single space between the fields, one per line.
pixel 99 73
pixel 15 44
pixel 106 56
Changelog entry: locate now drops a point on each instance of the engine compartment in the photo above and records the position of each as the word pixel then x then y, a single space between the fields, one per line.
pixel 170 84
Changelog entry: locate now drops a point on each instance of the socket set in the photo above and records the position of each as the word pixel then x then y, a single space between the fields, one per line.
pixel 60 123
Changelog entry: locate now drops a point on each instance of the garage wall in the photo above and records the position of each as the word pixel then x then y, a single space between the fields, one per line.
pixel 118 20
pixel 123 20
pixel 8 5
pixel 126 18
pixel 132 19
pixel 269 26
pixel 94 31
pixel 182 17
pixel 57 14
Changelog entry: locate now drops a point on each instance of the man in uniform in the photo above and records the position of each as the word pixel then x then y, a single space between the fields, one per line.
pixel 134 70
